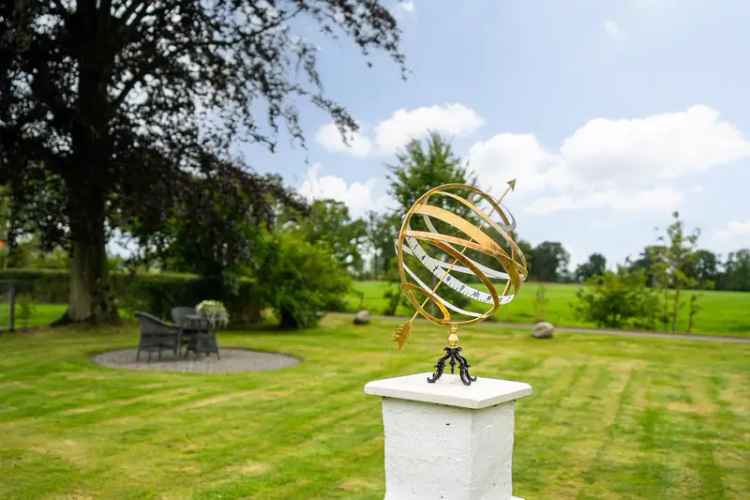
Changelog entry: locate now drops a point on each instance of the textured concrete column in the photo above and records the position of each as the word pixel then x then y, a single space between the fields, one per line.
pixel 447 440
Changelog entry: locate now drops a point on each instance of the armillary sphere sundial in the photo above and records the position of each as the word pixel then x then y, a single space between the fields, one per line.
pixel 455 236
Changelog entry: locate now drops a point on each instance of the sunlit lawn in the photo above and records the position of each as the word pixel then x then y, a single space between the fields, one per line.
pixel 610 417
pixel 721 312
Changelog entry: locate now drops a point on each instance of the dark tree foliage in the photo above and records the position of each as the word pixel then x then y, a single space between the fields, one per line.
pixel 736 275
pixel 215 230
pixel 595 266
pixel 704 268
pixel 549 262
pixel 105 105
pixel 648 261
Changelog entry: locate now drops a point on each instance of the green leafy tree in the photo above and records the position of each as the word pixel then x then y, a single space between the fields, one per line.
pixel 674 269
pixel 549 261
pixel 650 263
pixel 595 266
pixel 301 279
pixel 327 222
pixel 107 105
pixel 618 299
pixel 421 167
pixel 736 275
pixel 704 268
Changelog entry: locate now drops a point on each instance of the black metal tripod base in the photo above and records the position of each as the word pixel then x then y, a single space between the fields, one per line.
pixel 453 357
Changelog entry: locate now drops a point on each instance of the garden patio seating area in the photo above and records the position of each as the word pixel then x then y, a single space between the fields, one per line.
pixel 190 333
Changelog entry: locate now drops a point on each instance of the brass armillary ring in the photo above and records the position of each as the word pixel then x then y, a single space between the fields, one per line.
pixel 461 238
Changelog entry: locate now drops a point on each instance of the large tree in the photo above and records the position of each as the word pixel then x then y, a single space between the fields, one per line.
pixel 328 223
pixel 595 266
pixel 549 261
pixel 421 167
pixel 108 104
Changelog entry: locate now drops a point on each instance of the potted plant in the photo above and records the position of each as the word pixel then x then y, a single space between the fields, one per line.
pixel 214 312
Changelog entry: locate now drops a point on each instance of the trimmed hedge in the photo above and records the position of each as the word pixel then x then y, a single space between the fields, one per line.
pixel 153 293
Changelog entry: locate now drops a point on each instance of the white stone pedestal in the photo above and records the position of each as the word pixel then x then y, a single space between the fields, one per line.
pixel 447 440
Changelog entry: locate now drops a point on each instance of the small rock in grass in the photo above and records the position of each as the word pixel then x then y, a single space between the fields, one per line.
pixel 543 330
pixel 362 317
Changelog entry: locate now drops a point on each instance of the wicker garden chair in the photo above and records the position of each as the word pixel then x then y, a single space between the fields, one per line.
pixel 156 335
pixel 180 314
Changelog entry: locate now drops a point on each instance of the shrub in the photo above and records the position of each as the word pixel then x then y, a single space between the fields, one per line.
pixel 301 280
pixel 618 299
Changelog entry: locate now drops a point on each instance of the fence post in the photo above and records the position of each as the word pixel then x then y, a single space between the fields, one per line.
pixel 12 310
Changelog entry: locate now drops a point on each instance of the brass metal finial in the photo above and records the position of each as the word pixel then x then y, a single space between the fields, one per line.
pixel 453 336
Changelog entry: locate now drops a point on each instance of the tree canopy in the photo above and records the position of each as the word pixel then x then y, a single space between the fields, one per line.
pixel 107 107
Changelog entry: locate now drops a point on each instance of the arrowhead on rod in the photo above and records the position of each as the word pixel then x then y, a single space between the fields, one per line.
pixel 512 184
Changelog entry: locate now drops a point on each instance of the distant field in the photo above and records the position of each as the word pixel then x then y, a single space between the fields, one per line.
pixel 722 312
pixel 725 313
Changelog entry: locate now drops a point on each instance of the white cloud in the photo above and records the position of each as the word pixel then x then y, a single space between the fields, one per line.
pixel 360 197
pixel 329 137
pixel 453 119
pixel 664 146
pixel 623 165
pixel 733 236
pixel 407 6
pixel 614 30
pixel 507 156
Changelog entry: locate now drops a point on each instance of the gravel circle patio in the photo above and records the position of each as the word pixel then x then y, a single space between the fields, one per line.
pixel 232 361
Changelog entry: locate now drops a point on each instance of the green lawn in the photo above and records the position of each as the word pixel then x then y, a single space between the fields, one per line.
pixel 41 314
pixel 725 313
pixel 610 417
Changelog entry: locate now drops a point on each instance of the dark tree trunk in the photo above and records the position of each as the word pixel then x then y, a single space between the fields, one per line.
pixel 87 179
pixel 90 293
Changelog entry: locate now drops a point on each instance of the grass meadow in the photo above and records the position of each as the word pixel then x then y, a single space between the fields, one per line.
pixel 725 313
pixel 610 417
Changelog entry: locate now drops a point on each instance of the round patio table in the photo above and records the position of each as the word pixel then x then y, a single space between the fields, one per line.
pixel 199 336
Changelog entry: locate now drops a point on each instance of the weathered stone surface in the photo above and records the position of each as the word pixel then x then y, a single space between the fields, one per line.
pixel 449 390
pixel 362 317
pixel 543 330
pixel 447 440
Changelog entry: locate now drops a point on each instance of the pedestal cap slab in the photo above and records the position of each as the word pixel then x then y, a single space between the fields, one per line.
pixel 449 390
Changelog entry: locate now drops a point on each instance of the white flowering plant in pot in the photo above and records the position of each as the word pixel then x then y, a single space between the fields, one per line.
pixel 214 312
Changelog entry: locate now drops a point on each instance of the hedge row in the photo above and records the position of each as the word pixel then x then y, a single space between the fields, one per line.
pixel 154 293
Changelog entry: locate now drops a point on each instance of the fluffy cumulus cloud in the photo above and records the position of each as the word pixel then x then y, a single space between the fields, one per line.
pixel 736 234
pixel 452 119
pixel 330 138
pixel 627 164
pixel 360 197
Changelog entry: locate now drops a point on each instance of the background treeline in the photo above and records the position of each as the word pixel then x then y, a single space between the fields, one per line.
pixel 253 243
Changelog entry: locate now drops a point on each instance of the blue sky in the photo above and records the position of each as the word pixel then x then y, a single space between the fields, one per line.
pixel 610 114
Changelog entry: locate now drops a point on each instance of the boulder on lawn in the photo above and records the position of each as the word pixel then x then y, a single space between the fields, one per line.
pixel 543 330
pixel 362 317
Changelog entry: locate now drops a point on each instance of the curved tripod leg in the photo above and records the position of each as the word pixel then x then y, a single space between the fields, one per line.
pixel 439 367
pixel 464 365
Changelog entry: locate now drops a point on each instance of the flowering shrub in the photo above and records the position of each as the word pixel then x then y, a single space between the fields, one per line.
pixel 214 312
